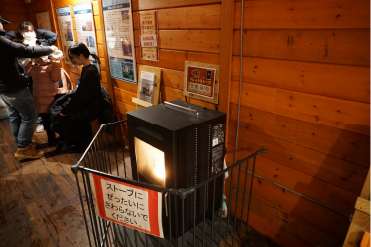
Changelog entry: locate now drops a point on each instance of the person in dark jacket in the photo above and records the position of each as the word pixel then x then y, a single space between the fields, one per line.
pixel 44 37
pixel 85 103
pixel 15 94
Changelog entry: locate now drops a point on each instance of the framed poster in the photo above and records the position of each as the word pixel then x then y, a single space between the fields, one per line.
pixel 201 81
pixel 66 30
pixel 118 22
pixel 85 27
pixel 43 20
pixel 148 36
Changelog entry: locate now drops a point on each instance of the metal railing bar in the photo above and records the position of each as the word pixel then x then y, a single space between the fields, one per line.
pixel 301 195
pixel 89 208
pixel 243 198
pixel 93 209
pixel 114 148
pixel 203 230
pixel 190 189
pixel 249 203
pixel 107 153
pixel 83 209
pixel 212 212
pixel 88 148
pixel 228 208
pixel 235 208
pixel 133 182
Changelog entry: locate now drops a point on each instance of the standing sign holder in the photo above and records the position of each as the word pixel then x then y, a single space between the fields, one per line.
pixel 148 91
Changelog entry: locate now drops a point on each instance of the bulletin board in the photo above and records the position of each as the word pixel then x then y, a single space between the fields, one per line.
pixel 43 20
pixel 66 30
pixel 148 35
pixel 118 24
pixel 85 27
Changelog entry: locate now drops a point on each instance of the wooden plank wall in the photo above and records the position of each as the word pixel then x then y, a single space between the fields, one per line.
pixel 188 31
pixel 39 6
pixel 306 99
pixel 13 11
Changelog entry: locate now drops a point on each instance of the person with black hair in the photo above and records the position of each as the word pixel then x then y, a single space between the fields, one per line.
pixel 16 95
pixel 85 104
pixel 28 36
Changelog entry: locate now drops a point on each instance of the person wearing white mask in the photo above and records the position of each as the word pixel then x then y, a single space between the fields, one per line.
pixel 16 95
pixel 27 35
pixel 45 73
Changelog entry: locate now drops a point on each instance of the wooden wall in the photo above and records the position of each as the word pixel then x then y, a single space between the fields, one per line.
pixel 13 11
pixel 36 7
pixel 188 31
pixel 306 99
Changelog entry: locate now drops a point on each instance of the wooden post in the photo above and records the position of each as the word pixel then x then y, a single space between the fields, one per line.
pixel 361 218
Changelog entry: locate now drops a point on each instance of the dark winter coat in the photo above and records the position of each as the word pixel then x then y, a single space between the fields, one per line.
pixel 104 116
pixel 85 104
pixel 44 37
pixel 13 75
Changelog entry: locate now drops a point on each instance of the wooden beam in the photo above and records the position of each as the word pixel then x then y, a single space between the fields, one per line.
pixel 365 193
pixel 363 205
pixel 360 224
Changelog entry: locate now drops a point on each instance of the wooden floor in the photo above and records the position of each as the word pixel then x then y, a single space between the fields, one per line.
pixel 39 203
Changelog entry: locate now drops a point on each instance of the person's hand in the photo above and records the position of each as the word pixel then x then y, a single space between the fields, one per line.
pixel 54 48
pixel 61 114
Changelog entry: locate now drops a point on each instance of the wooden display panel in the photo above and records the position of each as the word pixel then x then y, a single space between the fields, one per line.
pixel 156 91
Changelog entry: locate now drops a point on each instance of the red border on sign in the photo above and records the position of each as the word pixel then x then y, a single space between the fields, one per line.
pixel 152 208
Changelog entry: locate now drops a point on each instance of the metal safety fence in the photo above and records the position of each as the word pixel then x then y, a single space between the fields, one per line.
pixel 191 216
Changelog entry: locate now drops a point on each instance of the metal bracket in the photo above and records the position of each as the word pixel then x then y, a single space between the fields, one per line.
pixel 181 107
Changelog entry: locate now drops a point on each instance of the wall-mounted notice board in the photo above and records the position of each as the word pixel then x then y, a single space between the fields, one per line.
pixel 148 35
pixel 118 22
pixel 85 27
pixel 66 30
pixel 43 21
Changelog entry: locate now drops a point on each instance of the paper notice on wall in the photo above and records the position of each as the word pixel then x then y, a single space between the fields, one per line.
pixel 43 20
pixel 148 35
pixel 85 27
pixel 120 39
pixel 127 205
pixel 66 30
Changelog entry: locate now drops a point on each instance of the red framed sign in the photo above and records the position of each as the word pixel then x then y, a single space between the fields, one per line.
pixel 201 81
pixel 128 205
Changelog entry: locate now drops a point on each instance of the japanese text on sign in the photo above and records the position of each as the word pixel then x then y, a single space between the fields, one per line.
pixel 200 81
pixel 128 205
pixel 148 35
